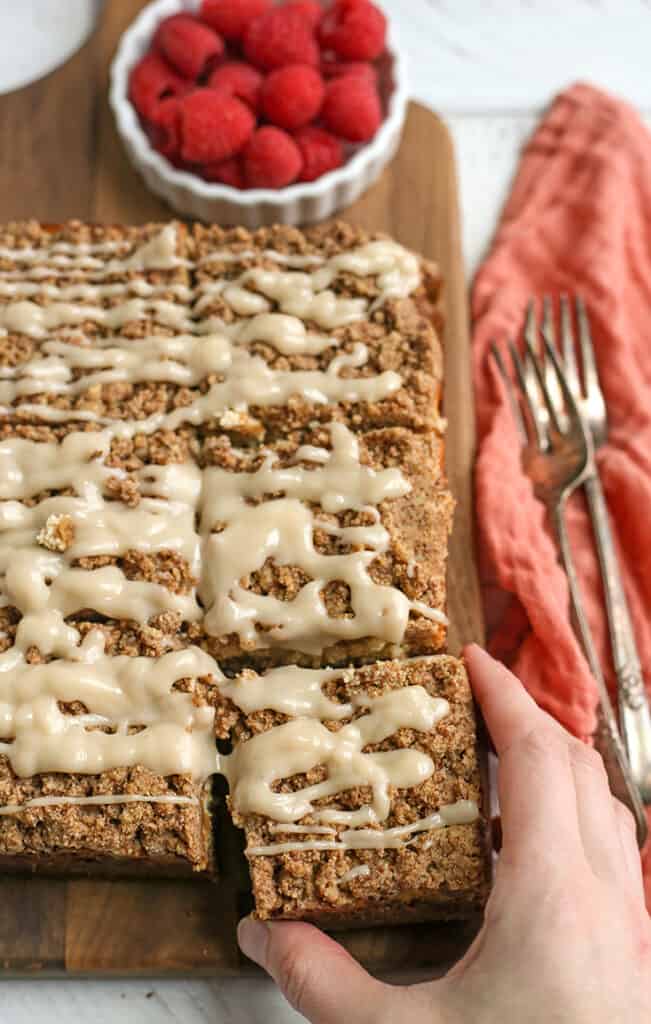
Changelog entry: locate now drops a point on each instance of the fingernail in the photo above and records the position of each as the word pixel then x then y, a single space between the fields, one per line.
pixel 253 937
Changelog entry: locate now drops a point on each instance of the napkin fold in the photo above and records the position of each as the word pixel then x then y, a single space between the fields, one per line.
pixel 578 221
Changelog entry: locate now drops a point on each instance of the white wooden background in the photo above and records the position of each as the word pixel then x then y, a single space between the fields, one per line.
pixel 489 66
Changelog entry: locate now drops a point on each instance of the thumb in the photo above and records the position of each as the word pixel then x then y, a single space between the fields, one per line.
pixel 319 978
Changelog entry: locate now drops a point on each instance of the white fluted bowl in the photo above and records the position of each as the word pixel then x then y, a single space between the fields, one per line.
pixel 297 204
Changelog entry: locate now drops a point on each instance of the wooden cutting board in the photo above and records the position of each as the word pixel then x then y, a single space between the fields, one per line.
pixel 61 158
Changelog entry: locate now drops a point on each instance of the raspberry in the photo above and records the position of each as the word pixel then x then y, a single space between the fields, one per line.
pixel 271 159
pixel 337 68
pixel 292 96
pixel 214 126
pixel 279 37
pixel 310 9
pixel 231 17
pixel 190 46
pixel 240 80
pixel 320 150
pixel 355 29
pixel 151 80
pixel 164 128
pixel 352 108
pixel 228 172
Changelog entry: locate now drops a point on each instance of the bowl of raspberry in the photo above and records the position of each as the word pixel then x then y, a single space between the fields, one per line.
pixel 255 112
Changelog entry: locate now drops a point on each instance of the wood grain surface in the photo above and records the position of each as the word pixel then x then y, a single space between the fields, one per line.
pixel 61 159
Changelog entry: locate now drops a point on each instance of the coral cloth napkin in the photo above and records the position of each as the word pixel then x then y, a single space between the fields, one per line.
pixel 578 221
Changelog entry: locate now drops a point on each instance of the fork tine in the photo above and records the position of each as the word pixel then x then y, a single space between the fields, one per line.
pixel 534 358
pixel 571 403
pixel 526 380
pixel 530 325
pixel 548 331
pixel 547 326
pixel 590 372
pixel 537 364
pixel 572 414
pixel 569 352
pixel 510 393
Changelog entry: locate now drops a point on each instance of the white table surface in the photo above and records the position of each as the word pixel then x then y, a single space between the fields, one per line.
pixel 489 66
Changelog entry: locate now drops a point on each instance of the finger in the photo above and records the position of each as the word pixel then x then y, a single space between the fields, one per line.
pixel 538 803
pixel 319 978
pixel 600 832
pixel 630 852
pixel 535 779
pixel 509 711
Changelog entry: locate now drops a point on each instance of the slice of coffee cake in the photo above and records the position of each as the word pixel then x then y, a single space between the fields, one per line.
pixel 359 792
pixel 326 547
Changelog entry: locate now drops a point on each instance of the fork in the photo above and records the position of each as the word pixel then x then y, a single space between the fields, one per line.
pixel 634 714
pixel 559 458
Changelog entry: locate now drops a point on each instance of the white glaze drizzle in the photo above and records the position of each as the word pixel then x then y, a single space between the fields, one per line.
pixel 39 578
pixel 248 381
pixel 301 296
pixel 179 738
pixel 234 256
pixel 156 253
pixel 80 289
pixel 104 799
pixel 288 690
pixel 463 812
pixel 120 692
pixel 283 529
pixel 312 830
pixel 186 360
pixel 305 743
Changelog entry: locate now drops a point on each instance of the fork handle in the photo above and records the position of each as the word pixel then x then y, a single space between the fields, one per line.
pixel 607 738
pixel 634 715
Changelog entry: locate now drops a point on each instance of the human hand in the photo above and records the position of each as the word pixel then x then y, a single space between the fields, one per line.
pixel 566 936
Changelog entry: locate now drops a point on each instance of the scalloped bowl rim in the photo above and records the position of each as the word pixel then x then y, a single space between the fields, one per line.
pixel 129 126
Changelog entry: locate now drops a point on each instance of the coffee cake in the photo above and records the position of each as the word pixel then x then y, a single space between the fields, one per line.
pixel 221 454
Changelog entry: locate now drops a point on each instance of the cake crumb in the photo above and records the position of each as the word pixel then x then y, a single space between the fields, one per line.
pixel 57 534
pixel 231 419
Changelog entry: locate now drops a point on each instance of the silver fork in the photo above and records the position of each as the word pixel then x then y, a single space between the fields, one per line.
pixel 634 714
pixel 559 458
